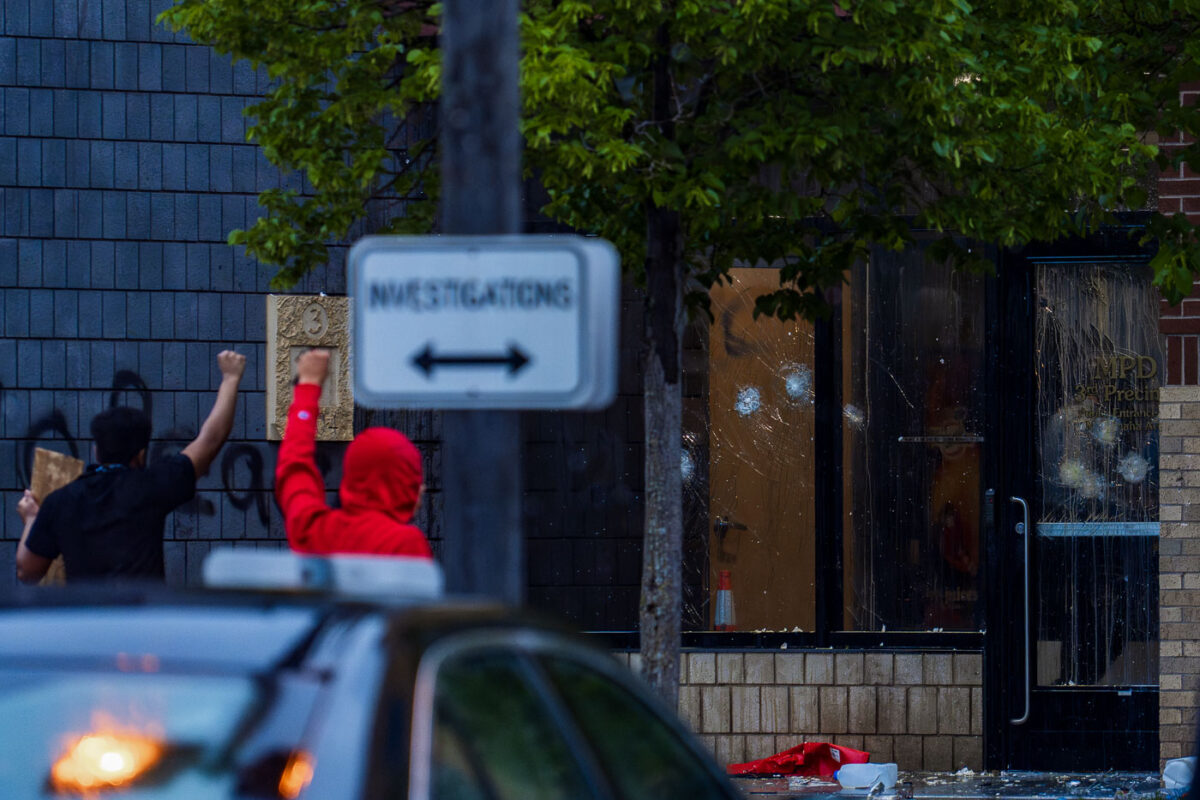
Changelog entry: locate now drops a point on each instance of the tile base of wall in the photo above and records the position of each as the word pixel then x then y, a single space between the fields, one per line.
pixel 923 711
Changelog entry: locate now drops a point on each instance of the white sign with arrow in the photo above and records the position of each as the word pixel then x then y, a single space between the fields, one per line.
pixel 484 321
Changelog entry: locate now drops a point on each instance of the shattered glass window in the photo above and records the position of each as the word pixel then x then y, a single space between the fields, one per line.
pixel 1099 365
pixel 913 422
pixel 760 537
pixel 916 417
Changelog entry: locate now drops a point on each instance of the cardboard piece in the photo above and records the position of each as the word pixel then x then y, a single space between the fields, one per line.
pixel 52 470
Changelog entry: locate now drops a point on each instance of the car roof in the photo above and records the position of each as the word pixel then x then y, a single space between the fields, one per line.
pixel 171 636
pixel 214 630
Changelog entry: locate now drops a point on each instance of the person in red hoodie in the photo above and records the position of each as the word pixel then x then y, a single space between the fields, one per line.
pixel 381 482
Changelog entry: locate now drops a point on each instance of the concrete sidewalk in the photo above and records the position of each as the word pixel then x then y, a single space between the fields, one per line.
pixel 972 786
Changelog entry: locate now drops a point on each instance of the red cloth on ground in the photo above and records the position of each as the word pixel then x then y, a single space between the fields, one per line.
pixel 381 480
pixel 816 759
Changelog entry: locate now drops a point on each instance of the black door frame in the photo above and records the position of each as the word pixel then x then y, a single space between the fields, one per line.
pixel 1069 728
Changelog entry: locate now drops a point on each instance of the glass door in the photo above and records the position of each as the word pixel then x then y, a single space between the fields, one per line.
pixel 1077 595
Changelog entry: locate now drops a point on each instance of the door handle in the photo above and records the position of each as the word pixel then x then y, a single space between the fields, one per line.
pixel 1022 530
pixel 722 526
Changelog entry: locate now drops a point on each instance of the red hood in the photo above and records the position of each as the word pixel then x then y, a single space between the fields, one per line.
pixel 381 472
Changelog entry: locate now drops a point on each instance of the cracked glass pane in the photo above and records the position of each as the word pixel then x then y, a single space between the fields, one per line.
pixel 1099 363
pixel 759 553
pixel 913 413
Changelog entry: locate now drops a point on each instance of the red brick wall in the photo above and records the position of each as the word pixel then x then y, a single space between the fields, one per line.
pixel 1181 326
pixel 1179 190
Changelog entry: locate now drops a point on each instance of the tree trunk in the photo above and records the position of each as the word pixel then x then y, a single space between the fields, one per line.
pixel 662 549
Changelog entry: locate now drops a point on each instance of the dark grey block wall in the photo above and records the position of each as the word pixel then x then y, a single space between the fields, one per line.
pixel 583 501
pixel 123 166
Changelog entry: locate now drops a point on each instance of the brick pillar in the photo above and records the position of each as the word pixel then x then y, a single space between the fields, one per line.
pixel 1179 570
pixel 1179 480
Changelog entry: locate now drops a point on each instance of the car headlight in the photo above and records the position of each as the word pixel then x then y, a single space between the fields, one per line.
pixel 104 760
pixel 296 775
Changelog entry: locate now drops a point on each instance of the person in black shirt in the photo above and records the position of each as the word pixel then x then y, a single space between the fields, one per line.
pixel 108 523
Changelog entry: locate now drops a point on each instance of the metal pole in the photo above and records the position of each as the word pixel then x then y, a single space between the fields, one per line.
pixel 483 544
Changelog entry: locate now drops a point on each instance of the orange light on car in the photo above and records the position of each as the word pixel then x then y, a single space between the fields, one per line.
pixel 296 775
pixel 104 761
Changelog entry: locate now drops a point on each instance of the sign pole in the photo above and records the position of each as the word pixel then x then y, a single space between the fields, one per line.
pixel 483 544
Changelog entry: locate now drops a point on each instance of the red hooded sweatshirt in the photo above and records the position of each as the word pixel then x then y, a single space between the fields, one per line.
pixel 381 481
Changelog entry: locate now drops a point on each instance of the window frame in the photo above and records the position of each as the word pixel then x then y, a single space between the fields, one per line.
pixel 829 573
pixel 526 645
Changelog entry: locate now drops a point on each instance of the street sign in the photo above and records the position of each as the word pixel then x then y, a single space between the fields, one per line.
pixel 484 322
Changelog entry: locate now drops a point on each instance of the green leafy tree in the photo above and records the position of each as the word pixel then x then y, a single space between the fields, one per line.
pixel 692 133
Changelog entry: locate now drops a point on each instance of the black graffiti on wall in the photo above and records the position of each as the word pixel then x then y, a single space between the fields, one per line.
pixel 54 422
pixel 125 380
pixel 255 496
pixel 235 456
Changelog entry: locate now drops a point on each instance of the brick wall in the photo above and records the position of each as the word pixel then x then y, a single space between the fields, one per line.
pixel 1179 477
pixel 1179 570
pixel 923 711
pixel 1179 191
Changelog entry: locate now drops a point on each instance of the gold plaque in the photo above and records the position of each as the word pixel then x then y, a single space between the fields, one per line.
pixel 296 323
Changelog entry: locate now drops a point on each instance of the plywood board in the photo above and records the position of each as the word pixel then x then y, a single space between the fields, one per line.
pixel 761 458
pixel 52 470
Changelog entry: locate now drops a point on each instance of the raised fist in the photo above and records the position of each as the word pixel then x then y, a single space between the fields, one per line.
pixel 313 366
pixel 232 364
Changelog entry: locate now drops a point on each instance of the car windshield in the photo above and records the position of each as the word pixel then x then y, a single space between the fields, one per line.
pixel 150 735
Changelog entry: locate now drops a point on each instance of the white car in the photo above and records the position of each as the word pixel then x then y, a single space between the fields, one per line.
pixel 283 693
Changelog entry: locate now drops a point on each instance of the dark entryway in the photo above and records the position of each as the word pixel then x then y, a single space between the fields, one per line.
pixel 1072 622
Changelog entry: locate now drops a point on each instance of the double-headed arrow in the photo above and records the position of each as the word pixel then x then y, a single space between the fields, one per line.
pixel 427 361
